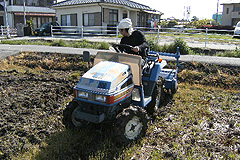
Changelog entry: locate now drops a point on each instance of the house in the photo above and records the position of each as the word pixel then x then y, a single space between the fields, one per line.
pixel 1 15
pixel 104 13
pixel 231 13
pixel 37 10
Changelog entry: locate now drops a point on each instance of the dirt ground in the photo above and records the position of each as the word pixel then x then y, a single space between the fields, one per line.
pixel 35 87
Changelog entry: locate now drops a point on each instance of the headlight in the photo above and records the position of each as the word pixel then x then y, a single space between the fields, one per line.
pixel 82 94
pixel 136 95
pixel 101 98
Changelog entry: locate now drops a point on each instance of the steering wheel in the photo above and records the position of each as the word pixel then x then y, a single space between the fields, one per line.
pixel 124 46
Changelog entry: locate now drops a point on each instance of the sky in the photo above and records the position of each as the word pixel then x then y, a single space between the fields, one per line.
pixel 175 8
pixel 202 9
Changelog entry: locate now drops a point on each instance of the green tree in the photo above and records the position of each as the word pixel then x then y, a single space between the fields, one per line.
pixel 172 23
pixel 201 22
pixel 194 18
pixel 164 24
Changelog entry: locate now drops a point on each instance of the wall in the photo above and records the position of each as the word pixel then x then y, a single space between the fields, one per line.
pixel 227 18
pixel 78 10
pixel 30 9
pixel 133 16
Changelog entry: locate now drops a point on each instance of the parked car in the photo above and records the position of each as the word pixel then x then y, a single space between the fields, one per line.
pixel 237 30
pixel 45 29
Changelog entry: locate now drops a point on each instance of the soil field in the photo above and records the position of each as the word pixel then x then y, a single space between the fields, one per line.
pixel 35 88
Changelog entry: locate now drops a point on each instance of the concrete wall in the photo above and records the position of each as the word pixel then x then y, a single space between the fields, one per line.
pixel 133 16
pixel 10 17
pixel 30 9
pixel 76 10
pixel 227 18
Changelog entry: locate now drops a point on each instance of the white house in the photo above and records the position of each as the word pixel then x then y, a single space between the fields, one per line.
pixel 231 13
pixel 37 10
pixel 104 13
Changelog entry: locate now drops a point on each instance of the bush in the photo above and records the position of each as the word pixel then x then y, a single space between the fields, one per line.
pixel 59 43
pixel 172 48
pixel 183 47
pixel 154 46
pixel 235 53
pixel 103 45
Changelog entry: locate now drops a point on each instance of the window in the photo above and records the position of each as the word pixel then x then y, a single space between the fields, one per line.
pixel 124 15
pixel 41 3
pixel 69 20
pixel 113 16
pixel 142 19
pixel 92 19
pixel 237 9
pixel 227 11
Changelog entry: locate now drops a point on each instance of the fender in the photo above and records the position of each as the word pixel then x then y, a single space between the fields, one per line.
pixel 155 73
pixel 150 82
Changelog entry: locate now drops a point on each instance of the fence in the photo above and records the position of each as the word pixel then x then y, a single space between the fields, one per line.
pixel 6 31
pixel 199 34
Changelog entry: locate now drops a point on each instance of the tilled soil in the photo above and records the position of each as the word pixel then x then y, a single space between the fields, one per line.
pixel 35 88
pixel 32 101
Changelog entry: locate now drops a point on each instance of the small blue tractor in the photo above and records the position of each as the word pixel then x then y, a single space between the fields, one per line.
pixel 122 89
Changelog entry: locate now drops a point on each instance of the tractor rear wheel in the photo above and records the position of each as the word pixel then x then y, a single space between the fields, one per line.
pixel 69 119
pixel 130 124
pixel 157 97
pixel 174 87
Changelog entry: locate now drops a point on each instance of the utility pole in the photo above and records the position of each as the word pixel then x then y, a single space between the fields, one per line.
pixel 24 13
pixel 6 19
pixel 188 12
pixel 217 11
pixel 5 13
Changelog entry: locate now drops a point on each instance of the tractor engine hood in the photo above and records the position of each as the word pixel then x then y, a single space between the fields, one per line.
pixel 104 77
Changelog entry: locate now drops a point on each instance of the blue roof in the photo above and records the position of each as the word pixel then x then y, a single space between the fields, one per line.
pixel 128 3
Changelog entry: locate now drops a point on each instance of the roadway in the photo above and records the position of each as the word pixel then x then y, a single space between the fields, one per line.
pixel 7 50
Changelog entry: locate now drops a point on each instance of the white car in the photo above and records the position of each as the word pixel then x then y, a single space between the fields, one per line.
pixel 237 30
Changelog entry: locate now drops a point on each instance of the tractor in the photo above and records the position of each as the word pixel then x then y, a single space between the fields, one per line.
pixel 120 88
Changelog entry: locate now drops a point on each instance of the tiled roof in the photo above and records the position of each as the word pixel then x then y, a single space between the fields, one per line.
pixel 128 3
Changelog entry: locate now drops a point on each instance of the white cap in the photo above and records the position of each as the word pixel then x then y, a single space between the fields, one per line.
pixel 125 23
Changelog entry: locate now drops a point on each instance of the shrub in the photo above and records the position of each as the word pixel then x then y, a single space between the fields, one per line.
pixel 154 46
pixel 172 48
pixel 103 45
pixel 165 48
pixel 59 43
pixel 235 53
pixel 183 47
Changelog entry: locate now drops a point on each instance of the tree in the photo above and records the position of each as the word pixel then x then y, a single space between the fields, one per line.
pixel 172 23
pixel 194 18
pixel 202 22
pixel 164 24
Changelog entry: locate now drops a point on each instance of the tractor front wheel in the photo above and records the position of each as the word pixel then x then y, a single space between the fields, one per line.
pixel 130 124
pixel 69 118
